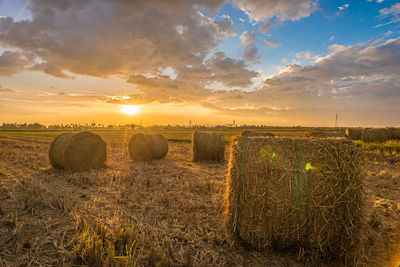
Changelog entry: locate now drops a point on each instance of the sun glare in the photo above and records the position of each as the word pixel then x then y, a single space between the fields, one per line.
pixel 130 109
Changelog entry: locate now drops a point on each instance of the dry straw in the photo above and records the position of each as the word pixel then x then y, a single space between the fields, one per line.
pixel 208 147
pixel 146 147
pixel 287 193
pixel 318 133
pixel 375 135
pixel 254 133
pixel 394 133
pixel 78 151
pixel 354 133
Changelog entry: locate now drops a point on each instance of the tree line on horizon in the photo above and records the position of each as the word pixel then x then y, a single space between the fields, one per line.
pixel 98 126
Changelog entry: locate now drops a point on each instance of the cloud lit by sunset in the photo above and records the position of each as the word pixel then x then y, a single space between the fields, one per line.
pixel 256 62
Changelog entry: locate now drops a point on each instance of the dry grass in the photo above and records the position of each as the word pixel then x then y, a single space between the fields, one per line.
pixel 175 206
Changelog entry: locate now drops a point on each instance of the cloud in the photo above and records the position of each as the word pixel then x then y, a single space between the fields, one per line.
pixel 307 55
pixel 261 10
pixel 352 81
pixel 337 47
pixel 341 9
pixel 4 89
pixel 360 69
pixel 272 42
pixel 284 60
pixel 250 51
pixel 230 72
pixel 138 36
pixel 12 62
pixel 51 69
pixel 266 14
pixel 392 12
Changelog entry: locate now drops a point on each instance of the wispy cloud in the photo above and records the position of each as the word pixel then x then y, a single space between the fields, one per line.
pixel 341 9
pixel 393 13
pixel 4 89
pixel 337 47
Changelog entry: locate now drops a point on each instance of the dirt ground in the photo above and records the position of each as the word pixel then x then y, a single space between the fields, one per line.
pixel 175 205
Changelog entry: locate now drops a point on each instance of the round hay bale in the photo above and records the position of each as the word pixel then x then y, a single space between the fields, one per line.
pixel 292 193
pixel 78 151
pixel 318 133
pixel 354 133
pixel 394 133
pixel 375 135
pixel 146 147
pixel 208 147
pixel 254 133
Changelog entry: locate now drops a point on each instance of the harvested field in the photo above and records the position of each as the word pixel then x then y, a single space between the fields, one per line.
pixel 175 206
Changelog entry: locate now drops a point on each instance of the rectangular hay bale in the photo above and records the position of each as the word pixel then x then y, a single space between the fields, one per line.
pixel 296 193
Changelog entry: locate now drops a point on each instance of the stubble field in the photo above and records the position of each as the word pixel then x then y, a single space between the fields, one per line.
pixel 167 212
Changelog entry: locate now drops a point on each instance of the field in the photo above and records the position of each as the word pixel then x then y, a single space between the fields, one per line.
pixel 167 212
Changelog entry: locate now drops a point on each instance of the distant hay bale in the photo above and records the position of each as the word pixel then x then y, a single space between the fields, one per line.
pixel 375 135
pixel 394 133
pixel 354 133
pixel 208 147
pixel 318 133
pixel 146 147
pixel 254 133
pixel 296 193
pixel 78 151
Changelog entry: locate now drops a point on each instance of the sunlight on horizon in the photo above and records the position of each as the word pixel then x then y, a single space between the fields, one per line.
pixel 130 109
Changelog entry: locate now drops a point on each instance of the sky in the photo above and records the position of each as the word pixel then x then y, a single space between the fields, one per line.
pixel 270 62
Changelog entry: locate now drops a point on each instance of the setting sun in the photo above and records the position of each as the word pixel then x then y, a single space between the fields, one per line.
pixel 130 109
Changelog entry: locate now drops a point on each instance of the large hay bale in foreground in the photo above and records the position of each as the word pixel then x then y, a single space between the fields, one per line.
pixel 254 133
pixel 78 151
pixel 318 133
pixel 146 147
pixel 375 135
pixel 354 133
pixel 295 193
pixel 394 133
pixel 208 147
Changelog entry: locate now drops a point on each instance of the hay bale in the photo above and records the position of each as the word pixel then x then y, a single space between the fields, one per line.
pixel 254 133
pixel 295 193
pixel 375 135
pixel 208 147
pixel 354 133
pixel 319 133
pixel 78 151
pixel 393 133
pixel 146 147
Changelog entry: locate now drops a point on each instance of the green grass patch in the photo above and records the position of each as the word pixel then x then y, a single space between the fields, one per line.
pixel 389 146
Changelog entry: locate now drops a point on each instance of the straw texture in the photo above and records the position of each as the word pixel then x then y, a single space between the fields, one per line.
pixel 295 193
pixel 254 133
pixel 78 151
pixel 394 133
pixel 354 133
pixel 319 133
pixel 146 147
pixel 208 147
pixel 375 135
